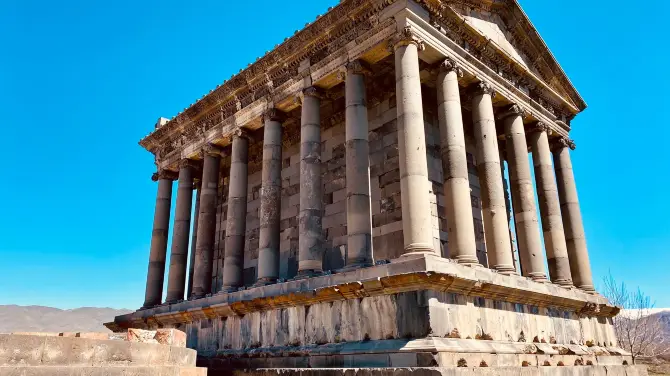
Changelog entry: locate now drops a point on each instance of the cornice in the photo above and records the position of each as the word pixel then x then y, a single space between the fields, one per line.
pixel 270 71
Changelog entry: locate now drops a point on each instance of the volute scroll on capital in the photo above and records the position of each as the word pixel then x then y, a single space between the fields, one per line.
pixel 405 37
pixel 450 65
pixel 481 88
pixel 538 127
pixel 313 91
pixel 164 174
pixel 513 110
pixel 187 162
pixel 561 143
pixel 273 114
pixel 357 67
pixel 212 150
pixel 240 132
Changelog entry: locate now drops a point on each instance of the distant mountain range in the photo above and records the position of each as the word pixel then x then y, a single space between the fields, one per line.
pixel 15 318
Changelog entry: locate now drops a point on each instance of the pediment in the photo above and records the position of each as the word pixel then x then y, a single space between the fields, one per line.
pixel 505 25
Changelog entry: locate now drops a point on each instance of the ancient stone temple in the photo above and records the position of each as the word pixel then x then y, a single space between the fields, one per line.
pixel 362 196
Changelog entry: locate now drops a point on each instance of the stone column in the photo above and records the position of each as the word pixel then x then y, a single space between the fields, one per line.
pixel 310 247
pixel 550 207
pixel 508 203
pixel 236 223
pixel 194 241
pixel 181 233
pixel 268 242
pixel 204 249
pixel 414 184
pixel 359 214
pixel 460 228
pixel 575 238
pixel 496 228
pixel 159 238
pixel 523 195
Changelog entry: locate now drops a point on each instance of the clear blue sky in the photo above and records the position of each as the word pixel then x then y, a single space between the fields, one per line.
pixel 81 82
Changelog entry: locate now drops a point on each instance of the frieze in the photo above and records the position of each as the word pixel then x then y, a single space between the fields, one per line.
pixel 275 74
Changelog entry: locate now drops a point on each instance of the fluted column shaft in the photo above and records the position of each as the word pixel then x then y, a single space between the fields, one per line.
pixel 550 207
pixel 523 196
pixel 575 238
pixel 194 241
pixel 159 240
pixel 181 234
pixel 359 217
pixel 268 243
pixel 496 227
pixel 310 248
pixel 414 184
pixel 204 249
pixel 236 222
pixel 460 228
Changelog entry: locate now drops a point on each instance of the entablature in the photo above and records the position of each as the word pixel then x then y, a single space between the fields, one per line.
pixel 356 29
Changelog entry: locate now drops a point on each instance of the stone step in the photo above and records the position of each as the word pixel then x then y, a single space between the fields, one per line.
pixel 444 371
pixel 20 370
pixel 30 350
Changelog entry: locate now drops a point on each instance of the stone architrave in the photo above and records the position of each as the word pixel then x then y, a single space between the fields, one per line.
pixel 181 233
pixel 233 262
pixel 359 216
pixel 550 207
pixel 270 214
pixel 460 227
pixel 414 184
pixel 523 195
pixel 310 242
pixel 159 239
pixel 573 225
pixel 496 227
pixel 202 280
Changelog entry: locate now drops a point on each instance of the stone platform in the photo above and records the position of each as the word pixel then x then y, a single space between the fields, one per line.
pixel 461 371
pixel 74 356
pixel 419 311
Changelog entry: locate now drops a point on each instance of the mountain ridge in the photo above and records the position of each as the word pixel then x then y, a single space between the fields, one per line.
pixel 36 318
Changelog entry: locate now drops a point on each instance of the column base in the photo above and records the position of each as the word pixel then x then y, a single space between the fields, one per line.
pixel 173 301
pixel 419 248
pixel 229 289
pixel 309 273
pixel 467 260
pixel 505 269
pixel 538 277
pixel 264 281
pixel 563 283
pixel 352 267
pixel 587 289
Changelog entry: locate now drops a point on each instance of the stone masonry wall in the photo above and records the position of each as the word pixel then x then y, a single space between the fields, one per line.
pixel 385 189
pixel 417 314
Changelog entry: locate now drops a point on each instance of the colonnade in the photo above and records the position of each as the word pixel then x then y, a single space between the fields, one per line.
pixel 562 226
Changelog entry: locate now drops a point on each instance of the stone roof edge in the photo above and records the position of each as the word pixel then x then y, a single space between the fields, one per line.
pixel 275 58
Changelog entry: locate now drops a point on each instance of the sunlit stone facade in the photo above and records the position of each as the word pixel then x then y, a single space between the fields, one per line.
pixel 364 198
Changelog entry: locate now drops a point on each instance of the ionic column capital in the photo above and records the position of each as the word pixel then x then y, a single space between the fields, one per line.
pixel 561 143
pixel 357 67
pixel 212 150
pixel 513 110
pixel 273 114
pixel 449 65
pixel 482 87
pixel 405 37
pixel 538 127
pixel 164 174
pixel 186 162
pixel 313 91
pixel 241 133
